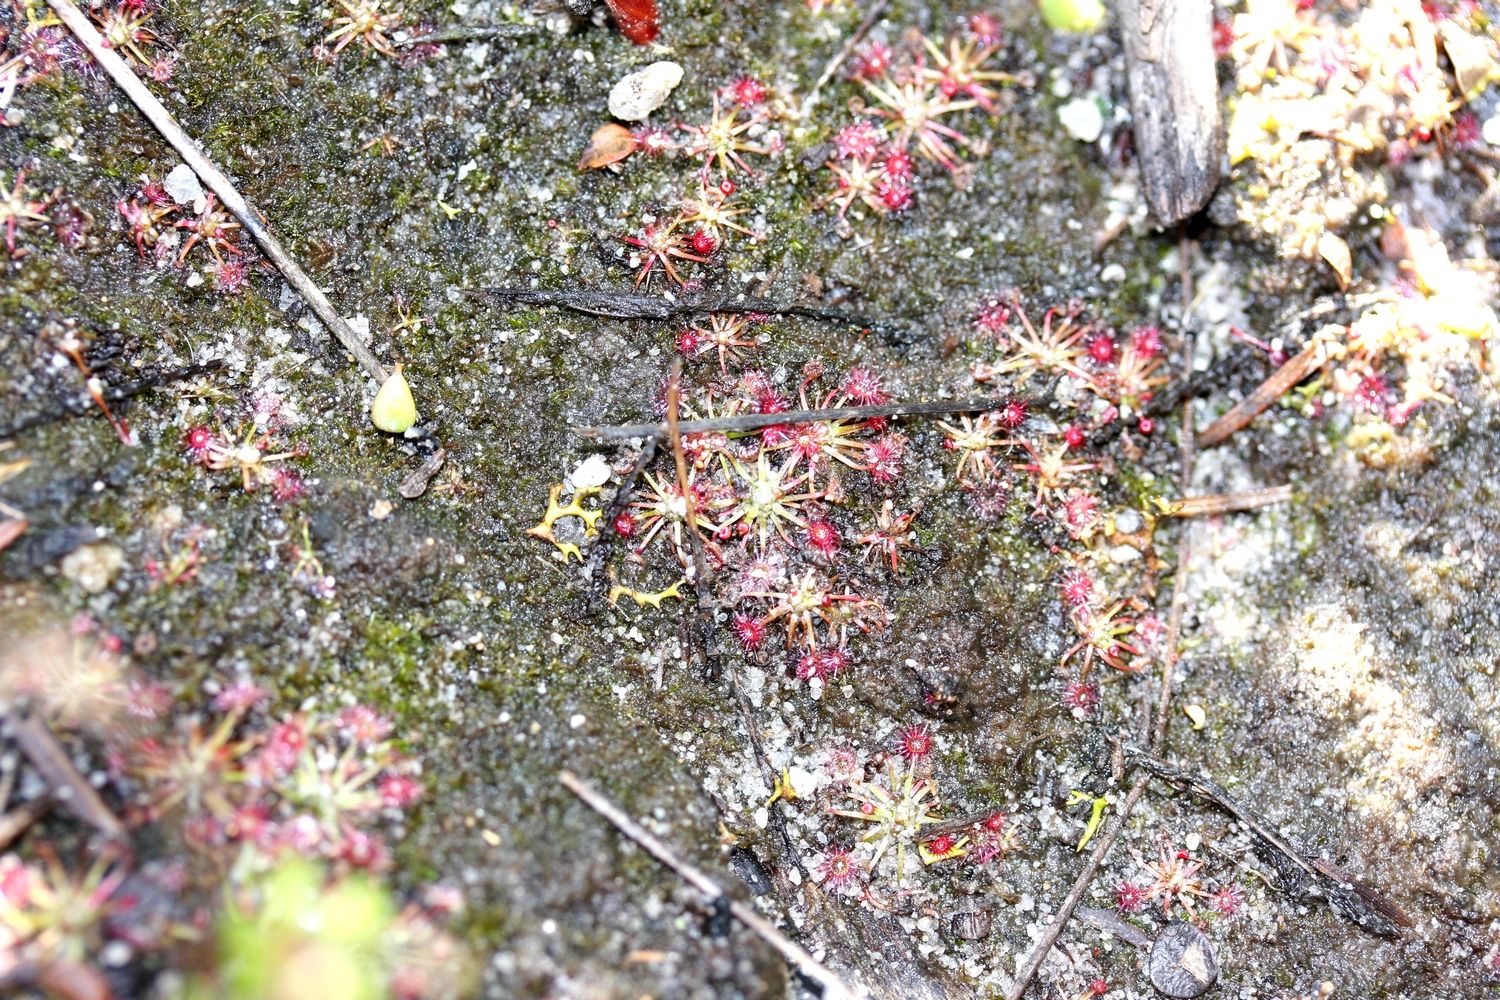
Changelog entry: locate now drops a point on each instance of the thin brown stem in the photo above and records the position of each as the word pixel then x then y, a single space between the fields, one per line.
pixel 217 181
pixel 1116 827
pixel 833 986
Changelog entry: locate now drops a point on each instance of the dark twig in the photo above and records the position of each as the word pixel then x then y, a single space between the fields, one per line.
pixel 192 154
pixel 125 390
pixel 22 818
pixel 1349 897
pixel 56 769
pixel 755 421
pixel 833 987
pixel 1170 659
pixel 628 305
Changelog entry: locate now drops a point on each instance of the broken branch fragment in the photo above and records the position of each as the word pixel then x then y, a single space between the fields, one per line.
pixel 1174 99
pixel 833 987
pixel 1308 360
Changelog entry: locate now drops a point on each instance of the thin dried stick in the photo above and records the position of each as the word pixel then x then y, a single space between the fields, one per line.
pixel 1268 392
pixel 755 421
pixel 833 986
pixel 216 180
pixel 56 769
pixel 1227 503
pixel 877 10
pixel 22 818
pixel 1112 833
pixel 705 602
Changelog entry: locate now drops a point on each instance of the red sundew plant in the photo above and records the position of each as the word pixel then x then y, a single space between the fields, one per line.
pixel 1131 897
pixel 124 29
pixel 1081 698
pixel 1059 348
pixel 653 140
pixel 1227 901
pixel 823 665
pixel 1174 880
pixel 34 52
pixel 49 914
pixel 1103 635
pixel 993 839
pixel 725 138
pixel 915 742
pixel 19 211
pixel 839 872
pixel 311 785
pixel 975 439
pixel 362 21
pixel 807 600
pixel 770 498
pixel 913 108
pixel 144 214
pixel 747 92
pixel 709 212
pixel 823 537
pixel 892 534
pixel 252 456
pixel 661 504
pixel 658 245
pixel 1051 470
pixel 919 95
pixel 896 808
pixel 727 334
pixel 962 69
pixel 214 227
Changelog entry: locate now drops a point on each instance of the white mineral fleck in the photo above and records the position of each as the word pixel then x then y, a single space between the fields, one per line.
pixel 182 184
pixel 643 91
pixel 592 471
pixel 1082 118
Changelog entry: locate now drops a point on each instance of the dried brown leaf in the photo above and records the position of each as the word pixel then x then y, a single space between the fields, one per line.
pixel 1335 251
pixel 610 143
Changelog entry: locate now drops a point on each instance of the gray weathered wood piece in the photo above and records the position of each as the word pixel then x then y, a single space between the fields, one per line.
pixel 1174 100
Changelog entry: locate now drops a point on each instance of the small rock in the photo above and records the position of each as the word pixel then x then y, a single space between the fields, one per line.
pixel 971 925
pixel 381 509
pixel 1182 963
pixel 182 184
pixel 748 867
pixel 92 567
pixel 592 471
pixel 1127 522
pixel 1082 118
pixel 643 91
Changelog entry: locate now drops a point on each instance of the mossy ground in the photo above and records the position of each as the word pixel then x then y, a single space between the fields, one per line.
pixel 501 666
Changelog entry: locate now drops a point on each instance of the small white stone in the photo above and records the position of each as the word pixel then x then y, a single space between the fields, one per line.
pixel 1082 118
pixel 1112 273
pixel 182 184
pixel 1128 522
pixel 92 567
pixel 592 471
pixel 577 721
pixel 643 91
pixel 1491 129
